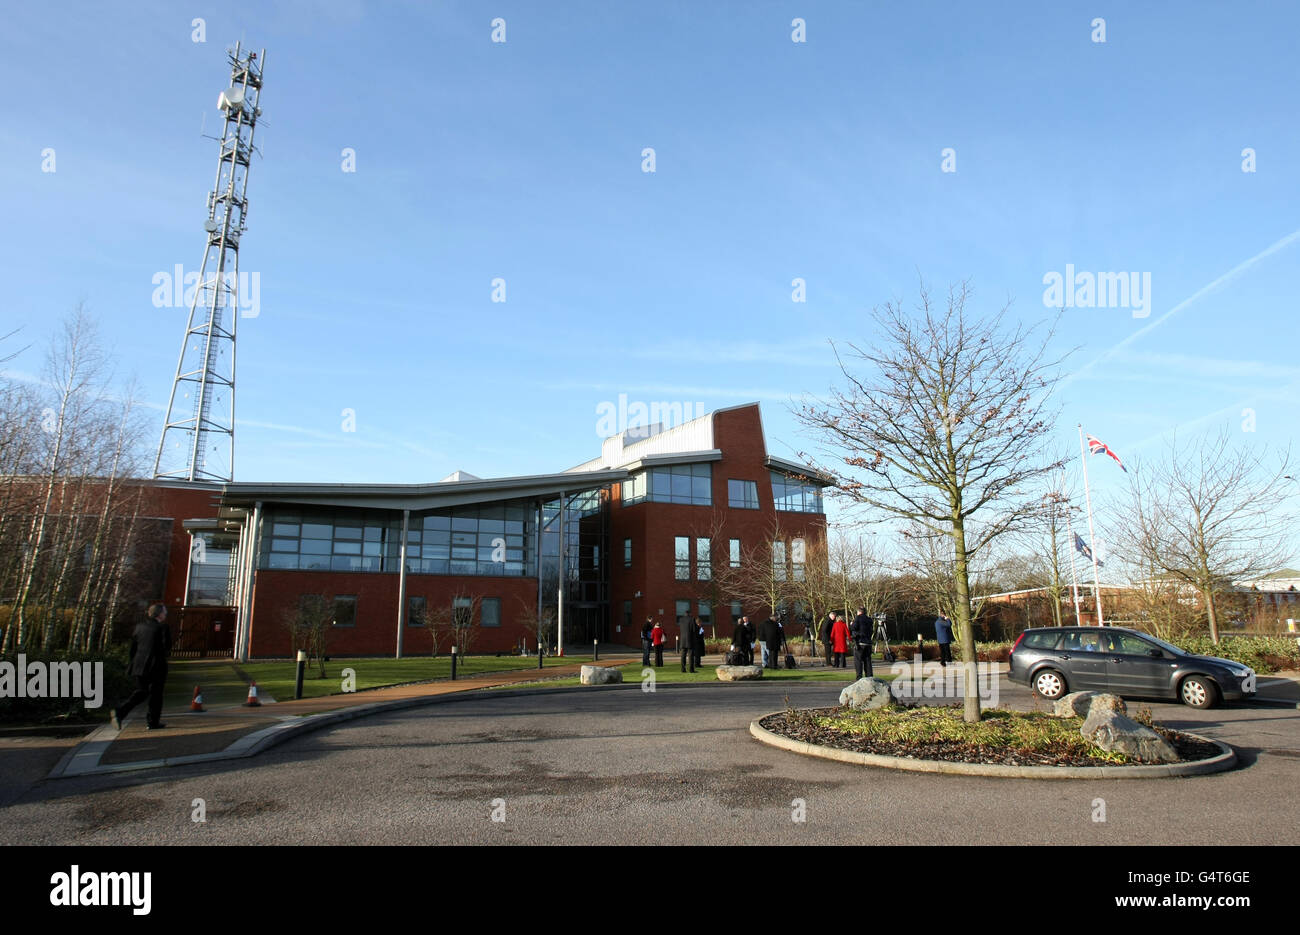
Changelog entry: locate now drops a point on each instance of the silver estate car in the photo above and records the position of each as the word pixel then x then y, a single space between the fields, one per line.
pixel 1057 660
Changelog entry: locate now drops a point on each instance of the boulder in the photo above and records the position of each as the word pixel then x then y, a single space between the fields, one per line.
pixel 1079 704
pixel 739 673
pixel 866 694
pixel 1115 732
pixel 600 675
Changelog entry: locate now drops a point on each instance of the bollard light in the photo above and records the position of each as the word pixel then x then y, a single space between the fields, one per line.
pixel 297 683
pixel 453 663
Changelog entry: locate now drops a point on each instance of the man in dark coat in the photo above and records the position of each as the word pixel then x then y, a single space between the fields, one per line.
pixel 699 643
pixel 769 631
pixel 151 644
pixel 861 631
pixel 744 638
pixel 686 641
pixel 646 641
pixel 826 634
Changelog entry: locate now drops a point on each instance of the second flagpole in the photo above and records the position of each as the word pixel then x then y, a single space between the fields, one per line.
pixel 1092 536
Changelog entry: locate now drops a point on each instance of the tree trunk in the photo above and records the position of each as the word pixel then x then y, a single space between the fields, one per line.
pixel 961 611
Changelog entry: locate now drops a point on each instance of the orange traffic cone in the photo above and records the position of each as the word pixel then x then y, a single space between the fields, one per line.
pixel 252 701
pixel 197 703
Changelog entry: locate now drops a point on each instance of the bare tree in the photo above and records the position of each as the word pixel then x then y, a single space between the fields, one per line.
pixel 541 625
pixel 309 623
pixel 946 426
pixel 457 619
pixel 1205 515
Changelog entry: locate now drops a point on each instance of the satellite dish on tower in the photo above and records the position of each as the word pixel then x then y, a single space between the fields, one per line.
pixel 210 226
pixel 230 99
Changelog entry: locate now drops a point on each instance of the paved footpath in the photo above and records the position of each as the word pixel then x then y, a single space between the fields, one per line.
pixel 237 731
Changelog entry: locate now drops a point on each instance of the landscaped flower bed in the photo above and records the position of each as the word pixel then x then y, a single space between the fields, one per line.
pixel 932 732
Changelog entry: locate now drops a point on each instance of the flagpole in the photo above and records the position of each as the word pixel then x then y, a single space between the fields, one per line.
pixel 1092 536
pixel 1074 578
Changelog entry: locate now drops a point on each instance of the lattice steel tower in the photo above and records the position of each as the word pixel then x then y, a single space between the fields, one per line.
pixel 200 426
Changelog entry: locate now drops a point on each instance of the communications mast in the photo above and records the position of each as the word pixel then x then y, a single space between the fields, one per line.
pixel 198 436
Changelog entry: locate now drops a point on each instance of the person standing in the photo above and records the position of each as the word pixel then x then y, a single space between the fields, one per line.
pixel 686 641
pixel 840 641
pixel 658 638
pixel 647 640
pixel 769 632
pixel 699 643
pixel 861 631
pixel 151 644
pixel 943 634
pixel 745 637
pixel 826 634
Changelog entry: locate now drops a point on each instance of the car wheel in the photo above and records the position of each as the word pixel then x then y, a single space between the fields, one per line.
pixel 1197 691
pixel 1049 684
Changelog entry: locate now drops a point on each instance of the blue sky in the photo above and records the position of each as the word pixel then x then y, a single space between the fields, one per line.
pixel 774 160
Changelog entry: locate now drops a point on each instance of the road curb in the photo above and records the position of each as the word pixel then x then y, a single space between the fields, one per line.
pixel 1226 760
pixel 83 760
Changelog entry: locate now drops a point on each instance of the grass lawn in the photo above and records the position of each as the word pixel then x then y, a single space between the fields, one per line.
pixel 671 674
pixel 222 685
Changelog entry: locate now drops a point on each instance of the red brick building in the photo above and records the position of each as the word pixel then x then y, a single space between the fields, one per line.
pixel 663 523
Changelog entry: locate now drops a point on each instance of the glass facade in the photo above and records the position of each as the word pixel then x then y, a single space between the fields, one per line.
pixel 795 496
pixel 212 576
pixel 494 539
pixel 330 540
pixel 742 494
pixel 678 483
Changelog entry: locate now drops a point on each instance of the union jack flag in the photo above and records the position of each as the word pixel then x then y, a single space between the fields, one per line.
pixel 1096 446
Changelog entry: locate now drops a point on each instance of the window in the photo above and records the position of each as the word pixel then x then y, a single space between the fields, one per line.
pixel 490 612
pixel 679 483
pixel 487 539
pixel 795 496
pixel 735 553
pixel 742 494
pixel 331 540
pixel 415 609
pixel 627 615
pixel 736 612
pixel 682 557
pixel 683 609
pixel 462 612
pixel 345 610
pixel 705 610
pixel 703 566
pixel 778 561
pixel 627 553
pixel 797 558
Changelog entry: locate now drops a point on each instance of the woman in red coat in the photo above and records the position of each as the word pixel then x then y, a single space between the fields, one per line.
pixel 839 641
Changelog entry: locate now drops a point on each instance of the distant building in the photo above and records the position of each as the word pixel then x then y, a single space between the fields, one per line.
pixel 641 530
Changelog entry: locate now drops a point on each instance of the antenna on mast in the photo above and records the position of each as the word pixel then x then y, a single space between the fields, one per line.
pixel 198 436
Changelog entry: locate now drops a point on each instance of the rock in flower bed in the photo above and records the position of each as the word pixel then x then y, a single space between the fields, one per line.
pixel 931 732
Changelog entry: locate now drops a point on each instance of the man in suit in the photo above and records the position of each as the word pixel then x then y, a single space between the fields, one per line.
pixel 699 643
pixel 686 641
pixel 151 643
pixel 861 631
